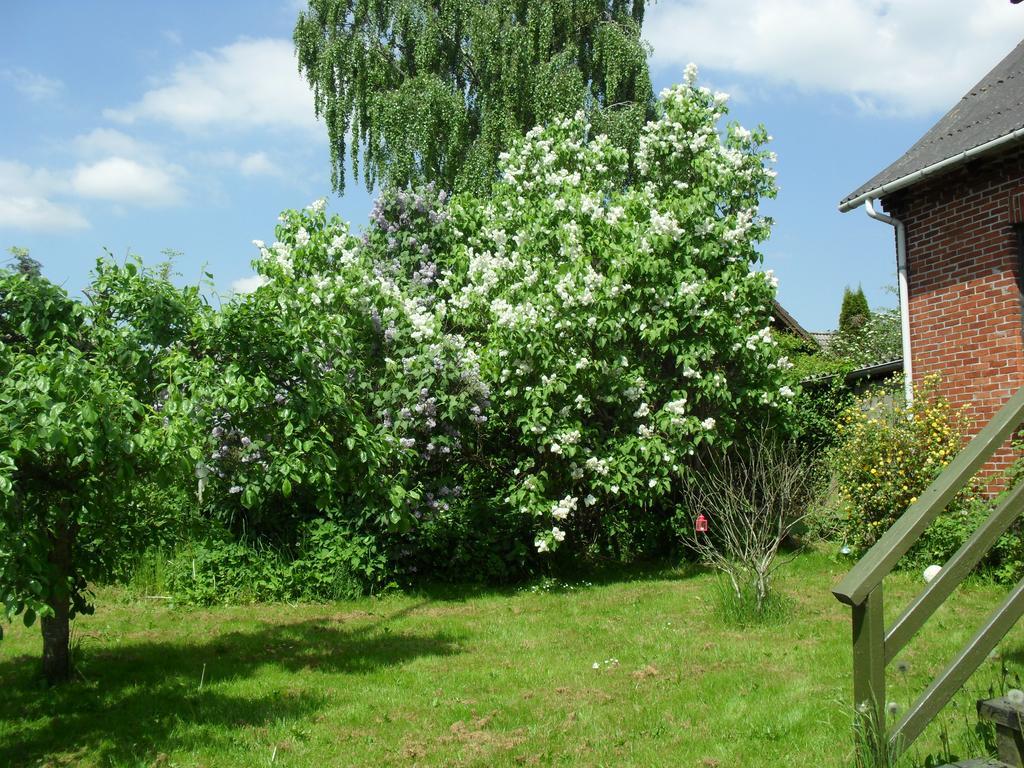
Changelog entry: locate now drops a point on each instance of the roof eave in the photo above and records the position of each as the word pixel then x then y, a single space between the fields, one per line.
pixel 942 165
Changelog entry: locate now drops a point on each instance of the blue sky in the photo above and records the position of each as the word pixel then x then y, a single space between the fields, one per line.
pixel 150 126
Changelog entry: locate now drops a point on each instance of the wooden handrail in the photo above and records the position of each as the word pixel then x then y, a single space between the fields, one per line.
pixel 951 679
pixel 873 647
pixel 953 572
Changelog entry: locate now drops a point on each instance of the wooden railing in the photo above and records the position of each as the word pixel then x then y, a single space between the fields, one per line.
pixel 874 646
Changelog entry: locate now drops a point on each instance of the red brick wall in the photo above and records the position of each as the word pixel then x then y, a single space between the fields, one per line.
pixel 965 304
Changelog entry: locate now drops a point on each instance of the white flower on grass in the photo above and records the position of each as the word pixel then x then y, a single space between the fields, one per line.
pixel 893 708
pixel 596 665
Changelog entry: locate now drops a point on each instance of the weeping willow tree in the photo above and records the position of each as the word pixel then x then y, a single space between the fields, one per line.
pixel 435 90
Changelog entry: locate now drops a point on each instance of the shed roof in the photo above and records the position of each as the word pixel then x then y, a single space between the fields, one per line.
pixel 991 110
pixel 785 321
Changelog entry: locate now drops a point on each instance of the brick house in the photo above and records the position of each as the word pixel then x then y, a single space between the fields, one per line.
pixel 956 202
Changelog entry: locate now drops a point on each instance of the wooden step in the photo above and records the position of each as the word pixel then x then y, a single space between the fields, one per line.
pixel 981 762
pixel 1001 712
pixel 1008 719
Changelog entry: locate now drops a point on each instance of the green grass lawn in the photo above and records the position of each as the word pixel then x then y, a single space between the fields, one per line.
pixel 482 678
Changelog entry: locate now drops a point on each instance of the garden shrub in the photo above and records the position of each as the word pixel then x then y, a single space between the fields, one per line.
pixel 225 571
pixel 877 338
pixel 750 496
pixel 334 563
pixel 887 454
pixel 1006 559
pixel 476 381
pixel 329 563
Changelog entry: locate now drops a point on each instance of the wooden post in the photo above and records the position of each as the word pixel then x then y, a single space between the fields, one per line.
pixel 869 665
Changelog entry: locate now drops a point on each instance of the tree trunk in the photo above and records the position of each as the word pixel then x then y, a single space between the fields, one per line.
pixel 762 591
pixel 57 628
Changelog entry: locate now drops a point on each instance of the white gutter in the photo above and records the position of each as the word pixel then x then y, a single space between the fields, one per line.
pixel 901 271
pixel 942 165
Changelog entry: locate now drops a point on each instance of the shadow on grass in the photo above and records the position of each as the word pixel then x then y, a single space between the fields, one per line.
pixel 141 699
pixel 591 574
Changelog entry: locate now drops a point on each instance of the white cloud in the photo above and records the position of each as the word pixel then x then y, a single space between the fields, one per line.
pixel 258 164
pixel 248 284
pixel 20 178
pixel 253 164
pixel 245 85
pixel 35 86
pixel 107 142
pixel 127 181
pixel 38 214
pixel 25 202
pixel 906 57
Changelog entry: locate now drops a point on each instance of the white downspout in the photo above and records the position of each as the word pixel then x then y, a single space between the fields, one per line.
pixel 901 272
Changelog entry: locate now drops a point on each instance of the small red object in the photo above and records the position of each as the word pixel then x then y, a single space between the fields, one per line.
pixel 700 525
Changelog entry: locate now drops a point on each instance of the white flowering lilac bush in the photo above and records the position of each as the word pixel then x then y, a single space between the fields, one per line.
pixel 494 378
pixel 622 323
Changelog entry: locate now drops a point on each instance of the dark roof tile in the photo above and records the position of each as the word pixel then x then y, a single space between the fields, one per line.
pixel 991 109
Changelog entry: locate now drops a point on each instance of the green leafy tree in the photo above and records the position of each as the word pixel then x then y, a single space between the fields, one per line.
pixel 853 313
pixel 80 421
pixel 24 263
pixel 418 90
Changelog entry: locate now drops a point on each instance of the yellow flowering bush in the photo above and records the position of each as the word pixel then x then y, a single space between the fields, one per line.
pixel 886 454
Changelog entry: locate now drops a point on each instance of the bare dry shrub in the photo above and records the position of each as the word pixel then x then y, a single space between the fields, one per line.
pixel 752 494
